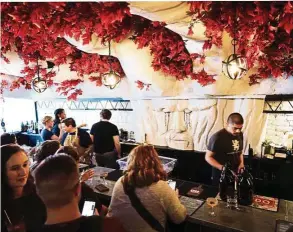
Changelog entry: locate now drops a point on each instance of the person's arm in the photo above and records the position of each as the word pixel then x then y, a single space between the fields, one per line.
pixel 92 132
pixel 117 144
pixel 241 165
pixel 211 160
pixel 175 210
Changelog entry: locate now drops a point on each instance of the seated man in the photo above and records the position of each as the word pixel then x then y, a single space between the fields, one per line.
pixel 7 138
pixel 60 191
pixel 75 137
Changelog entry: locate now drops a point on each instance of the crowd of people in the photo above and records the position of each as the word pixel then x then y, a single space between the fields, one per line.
pixel 50 194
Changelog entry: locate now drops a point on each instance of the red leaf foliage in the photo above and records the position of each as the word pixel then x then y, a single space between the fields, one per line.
pixel 141 85
pixel 35 30
pixel 168 49
pixel 264 31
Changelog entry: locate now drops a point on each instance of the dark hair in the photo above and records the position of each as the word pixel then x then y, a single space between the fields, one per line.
pixel 56 112
pixel 69 121
pixel 46 149
pixel 7 138
pixel 7 151
pixel 56 180
pixel 106 114
pixel 143 167
pixel 235 118
pixel 68 150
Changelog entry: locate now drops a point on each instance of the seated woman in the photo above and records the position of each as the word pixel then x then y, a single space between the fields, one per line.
pixel 21 207
pixel 47 133
pixel 144 180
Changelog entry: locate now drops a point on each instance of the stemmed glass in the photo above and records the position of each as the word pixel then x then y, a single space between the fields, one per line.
pixel 212 202
pixel 104 175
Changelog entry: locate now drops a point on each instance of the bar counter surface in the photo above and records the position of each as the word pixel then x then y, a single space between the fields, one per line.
pixel 246 219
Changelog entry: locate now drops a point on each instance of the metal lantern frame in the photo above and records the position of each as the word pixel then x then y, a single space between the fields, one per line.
pixel 106 76
pixel 39 85
pixel 235 60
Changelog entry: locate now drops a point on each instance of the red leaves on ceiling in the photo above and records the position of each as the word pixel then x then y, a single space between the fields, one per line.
pixel 167 48
pixel 35 30
pixel 264 31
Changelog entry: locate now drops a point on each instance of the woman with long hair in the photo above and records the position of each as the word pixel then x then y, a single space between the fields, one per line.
pixel 59 116
pixel 21 207
pixel 145 180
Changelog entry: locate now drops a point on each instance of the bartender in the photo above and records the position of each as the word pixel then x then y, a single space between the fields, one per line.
pixel 59 116
pixel 226 146
pixel 105 137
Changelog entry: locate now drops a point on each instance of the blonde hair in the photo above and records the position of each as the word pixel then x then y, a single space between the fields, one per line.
pixel 143 167
pixel 46 119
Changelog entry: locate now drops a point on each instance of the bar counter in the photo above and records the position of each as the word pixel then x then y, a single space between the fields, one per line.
pixel 246 219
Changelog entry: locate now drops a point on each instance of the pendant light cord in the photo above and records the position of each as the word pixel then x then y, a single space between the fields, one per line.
pixel 110 63
pixel 235 26
pixel 38 69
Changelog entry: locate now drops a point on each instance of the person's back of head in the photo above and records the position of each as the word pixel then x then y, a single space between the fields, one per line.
pixel 46 149
pixel 144 167
pixel 57 181
pixel 7 138
pixel 68 150
pixel 106 114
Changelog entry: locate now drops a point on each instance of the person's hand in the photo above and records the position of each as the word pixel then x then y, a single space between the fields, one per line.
pixel 240 168
pixel 96 213
pixel 88 174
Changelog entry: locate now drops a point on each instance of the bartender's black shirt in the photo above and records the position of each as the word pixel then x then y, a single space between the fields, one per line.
pixel 103 133
pixel 227 147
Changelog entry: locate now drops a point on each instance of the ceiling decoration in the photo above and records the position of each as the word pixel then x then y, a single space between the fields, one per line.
pixel 264 32
pixel 264 38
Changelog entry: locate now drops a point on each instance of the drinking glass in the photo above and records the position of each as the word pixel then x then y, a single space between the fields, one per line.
pixel 212 202
pixel 104 175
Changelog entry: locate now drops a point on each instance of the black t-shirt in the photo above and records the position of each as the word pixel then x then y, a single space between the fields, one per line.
pixel 227 147
pixel 82 224
pixel 84 138
pixel 29 209
pixel 88 194
pixel 46 134
pixel 103 133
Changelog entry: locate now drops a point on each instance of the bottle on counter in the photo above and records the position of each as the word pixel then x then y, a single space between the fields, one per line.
pixel 26 126
pixel 3 125
pixel 36 128
pixel 245 188
pixel 32 126
pixel 227 183
pixel 22 127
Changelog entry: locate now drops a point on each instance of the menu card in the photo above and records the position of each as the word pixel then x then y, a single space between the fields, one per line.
pixel 191 204
pixel 284 226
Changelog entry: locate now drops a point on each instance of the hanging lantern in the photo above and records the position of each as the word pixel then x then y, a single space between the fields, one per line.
pixel 111 79
pixel 235 66
pixel 39 85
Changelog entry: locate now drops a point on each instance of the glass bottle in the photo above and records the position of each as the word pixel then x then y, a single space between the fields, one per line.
pixel 245 188
pixel 226 186
pixel 36 128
